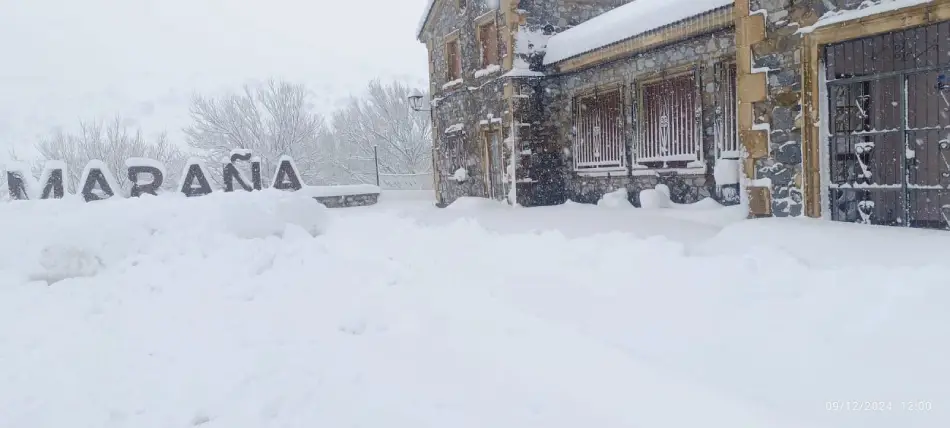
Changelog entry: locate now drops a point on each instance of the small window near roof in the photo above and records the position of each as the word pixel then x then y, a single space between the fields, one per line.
pixel 453 59
pixel 488 43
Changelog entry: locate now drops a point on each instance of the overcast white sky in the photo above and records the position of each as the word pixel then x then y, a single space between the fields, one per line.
pixel 62 60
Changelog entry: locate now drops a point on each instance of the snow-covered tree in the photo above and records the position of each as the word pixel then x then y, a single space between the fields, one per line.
pixel 112 143
pixel 271 119
pixel 383 119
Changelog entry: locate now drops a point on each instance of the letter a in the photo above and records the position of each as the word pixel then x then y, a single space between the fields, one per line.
pixel 286 177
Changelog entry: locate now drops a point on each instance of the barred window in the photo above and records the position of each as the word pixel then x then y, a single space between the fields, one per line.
pixel 599 130
pixel 670 131
pixel 726 133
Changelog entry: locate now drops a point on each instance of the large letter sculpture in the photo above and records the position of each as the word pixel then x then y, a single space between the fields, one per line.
pixel 97 181
pixel 194 180
pixel 232 174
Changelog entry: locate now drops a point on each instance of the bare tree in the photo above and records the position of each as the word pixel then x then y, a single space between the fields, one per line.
pixel 271 120
pixel 384 120
pixel 113 144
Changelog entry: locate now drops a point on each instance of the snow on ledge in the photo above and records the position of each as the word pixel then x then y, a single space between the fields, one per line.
pixel 339 190
pixel 522 72
pixel 460 175
pixel 453 83
pixel 624 22
pixel 454 128
pixel 867 8
pixel 491 69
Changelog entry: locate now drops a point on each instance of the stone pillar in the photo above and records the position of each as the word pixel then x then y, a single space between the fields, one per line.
pixel 770 94
pixel 751 89
pixel 524 109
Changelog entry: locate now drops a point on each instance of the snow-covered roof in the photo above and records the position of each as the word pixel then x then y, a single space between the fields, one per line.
pixel 865 9
pixel 430 4
pixel 425 17
pixel 625 22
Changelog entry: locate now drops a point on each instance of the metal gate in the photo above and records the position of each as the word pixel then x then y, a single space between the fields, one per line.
pixel 497 187
pixel 889 128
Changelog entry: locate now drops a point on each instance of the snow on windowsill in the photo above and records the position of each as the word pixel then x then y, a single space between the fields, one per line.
pixel 640 171
pixel 868 8
pixel 453 83
pixel 487 71
pixel 601 172
pixel 522 72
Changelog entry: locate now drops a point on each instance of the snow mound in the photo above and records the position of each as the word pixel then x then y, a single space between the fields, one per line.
pixel 557 317
pixel 60 262
pixel 726 171
pixel 656 198
pixel 702 204
pixel 659 198
pixel 819 243
pixel 616 199
pixel 65 239
pixel 268 213
pixel 474 204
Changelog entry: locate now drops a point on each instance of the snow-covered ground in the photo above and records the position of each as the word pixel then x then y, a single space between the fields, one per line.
pixel 265 310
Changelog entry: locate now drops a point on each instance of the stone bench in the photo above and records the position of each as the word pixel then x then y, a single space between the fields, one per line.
pixel 343 196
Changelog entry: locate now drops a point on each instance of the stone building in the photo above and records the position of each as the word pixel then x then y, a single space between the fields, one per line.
pixel 824 108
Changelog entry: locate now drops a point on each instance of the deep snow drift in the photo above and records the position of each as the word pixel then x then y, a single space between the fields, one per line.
pixel 265 310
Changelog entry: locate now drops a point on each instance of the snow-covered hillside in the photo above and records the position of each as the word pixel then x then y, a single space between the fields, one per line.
pixel 265 310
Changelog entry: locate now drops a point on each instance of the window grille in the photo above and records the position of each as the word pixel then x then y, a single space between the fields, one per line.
pixel 599 130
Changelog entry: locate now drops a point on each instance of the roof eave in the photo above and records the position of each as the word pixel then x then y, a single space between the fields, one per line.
pixel 426 19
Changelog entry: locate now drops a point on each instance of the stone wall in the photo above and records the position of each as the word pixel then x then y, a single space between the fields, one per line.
pixel 541 19
pixel 489 98
pixel 469 103
pixel 556 126
pixel 774 130
pixel 561 15
pixel 464 147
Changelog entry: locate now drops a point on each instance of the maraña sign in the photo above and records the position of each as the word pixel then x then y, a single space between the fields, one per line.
pixel 147 177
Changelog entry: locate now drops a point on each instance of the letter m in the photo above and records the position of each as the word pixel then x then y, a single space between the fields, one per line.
pixel 23 185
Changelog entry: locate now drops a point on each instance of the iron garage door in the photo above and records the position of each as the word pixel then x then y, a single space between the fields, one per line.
pixel 889 128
